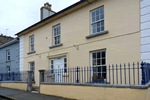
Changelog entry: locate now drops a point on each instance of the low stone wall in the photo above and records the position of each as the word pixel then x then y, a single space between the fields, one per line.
pixel 96 92
pixel 14 85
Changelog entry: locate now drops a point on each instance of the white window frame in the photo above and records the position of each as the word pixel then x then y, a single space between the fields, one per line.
pixel 51 68
pixel 96 62
pixel 57 35
pixel 100 20
pixel 31 43
pixel 8 55
pixel 64 64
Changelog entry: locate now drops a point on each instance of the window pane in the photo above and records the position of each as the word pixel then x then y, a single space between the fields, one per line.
pixel 8 52
pixel 55 42
pixel 94 25
pixel 97 11
pixel 104 75
pixel 98 29
pixel 93 14
pixel 94 55
pixel 98 24
pixel 103 61
pixel 102 28
pixel 65 60
pixel 94 62
pixel 94 30
pixel 58 32
pixel 98 61
pixel 102 10
pixel 102 16
pixel 51 61
pixel 99 69
pixel 8 57
pixel 51 66
pixel 98 54
pixel 93 19
pixel 103 54
pixel 102 23
pixel 97 18
pixel 65 65
pixel 104 69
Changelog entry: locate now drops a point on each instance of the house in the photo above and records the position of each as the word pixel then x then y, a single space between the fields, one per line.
pixel 4 39
pixel 9 57
pixel 87 33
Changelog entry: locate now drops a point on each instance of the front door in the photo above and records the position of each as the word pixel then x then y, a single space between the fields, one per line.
pixel 58 68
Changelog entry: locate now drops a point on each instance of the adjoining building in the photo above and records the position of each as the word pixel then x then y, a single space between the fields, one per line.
pixel 9 57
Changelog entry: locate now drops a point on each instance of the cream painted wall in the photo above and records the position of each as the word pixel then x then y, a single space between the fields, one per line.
pixel 122 43
pixel 95 93
pixel 19 86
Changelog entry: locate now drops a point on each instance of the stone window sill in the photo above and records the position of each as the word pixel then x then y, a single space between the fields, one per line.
pixel 56 45
pixel 97 34
pixel 31 52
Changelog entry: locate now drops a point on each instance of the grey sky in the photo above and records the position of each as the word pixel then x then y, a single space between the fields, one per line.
pixel 20 14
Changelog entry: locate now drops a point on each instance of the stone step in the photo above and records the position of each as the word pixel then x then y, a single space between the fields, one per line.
pixel 34 91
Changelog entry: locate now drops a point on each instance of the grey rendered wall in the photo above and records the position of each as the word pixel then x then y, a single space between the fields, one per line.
pixel 14 58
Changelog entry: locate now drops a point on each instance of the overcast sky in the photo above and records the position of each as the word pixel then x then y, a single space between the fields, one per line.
pixel 16 15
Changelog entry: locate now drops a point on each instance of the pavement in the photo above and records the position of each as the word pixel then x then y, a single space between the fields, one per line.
pixel 25 95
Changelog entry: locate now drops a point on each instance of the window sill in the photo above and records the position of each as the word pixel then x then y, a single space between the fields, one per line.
pixel 97 34
pixel 8 61
pixel 31 52
pixel 56 45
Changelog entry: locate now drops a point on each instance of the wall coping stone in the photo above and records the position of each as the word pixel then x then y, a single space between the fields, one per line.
pixel 13 82
pixel 100 85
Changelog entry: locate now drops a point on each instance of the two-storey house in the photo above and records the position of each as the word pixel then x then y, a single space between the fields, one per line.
pixel 87 33
pixel 9 57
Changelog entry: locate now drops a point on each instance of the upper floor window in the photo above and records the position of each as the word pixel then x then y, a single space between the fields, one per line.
pixel 56 35
pixel 31 43
pixel 97 20
pixel 8 55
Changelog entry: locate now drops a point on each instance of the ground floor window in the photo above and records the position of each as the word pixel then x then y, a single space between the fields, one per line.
pixel 98 63
pixel 8 71
pixel 32 68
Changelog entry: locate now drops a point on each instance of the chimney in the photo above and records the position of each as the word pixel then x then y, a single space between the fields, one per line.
pixel 46 11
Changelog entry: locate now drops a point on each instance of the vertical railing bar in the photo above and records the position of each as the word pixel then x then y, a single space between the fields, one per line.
pixel 117 73
pixel 129 72
pixel 109 75
pixel 113 72
pixel 138 72
pixel 68 74
pixel 87 74
pixel 90 74
pixel 96 74
pixel 106 74
pixel 125 72
pixel 120 74
pixel 133 73
pixel 73 75
pixel 82 74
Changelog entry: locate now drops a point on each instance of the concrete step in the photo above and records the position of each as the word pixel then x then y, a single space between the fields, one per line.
pixel 35 91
